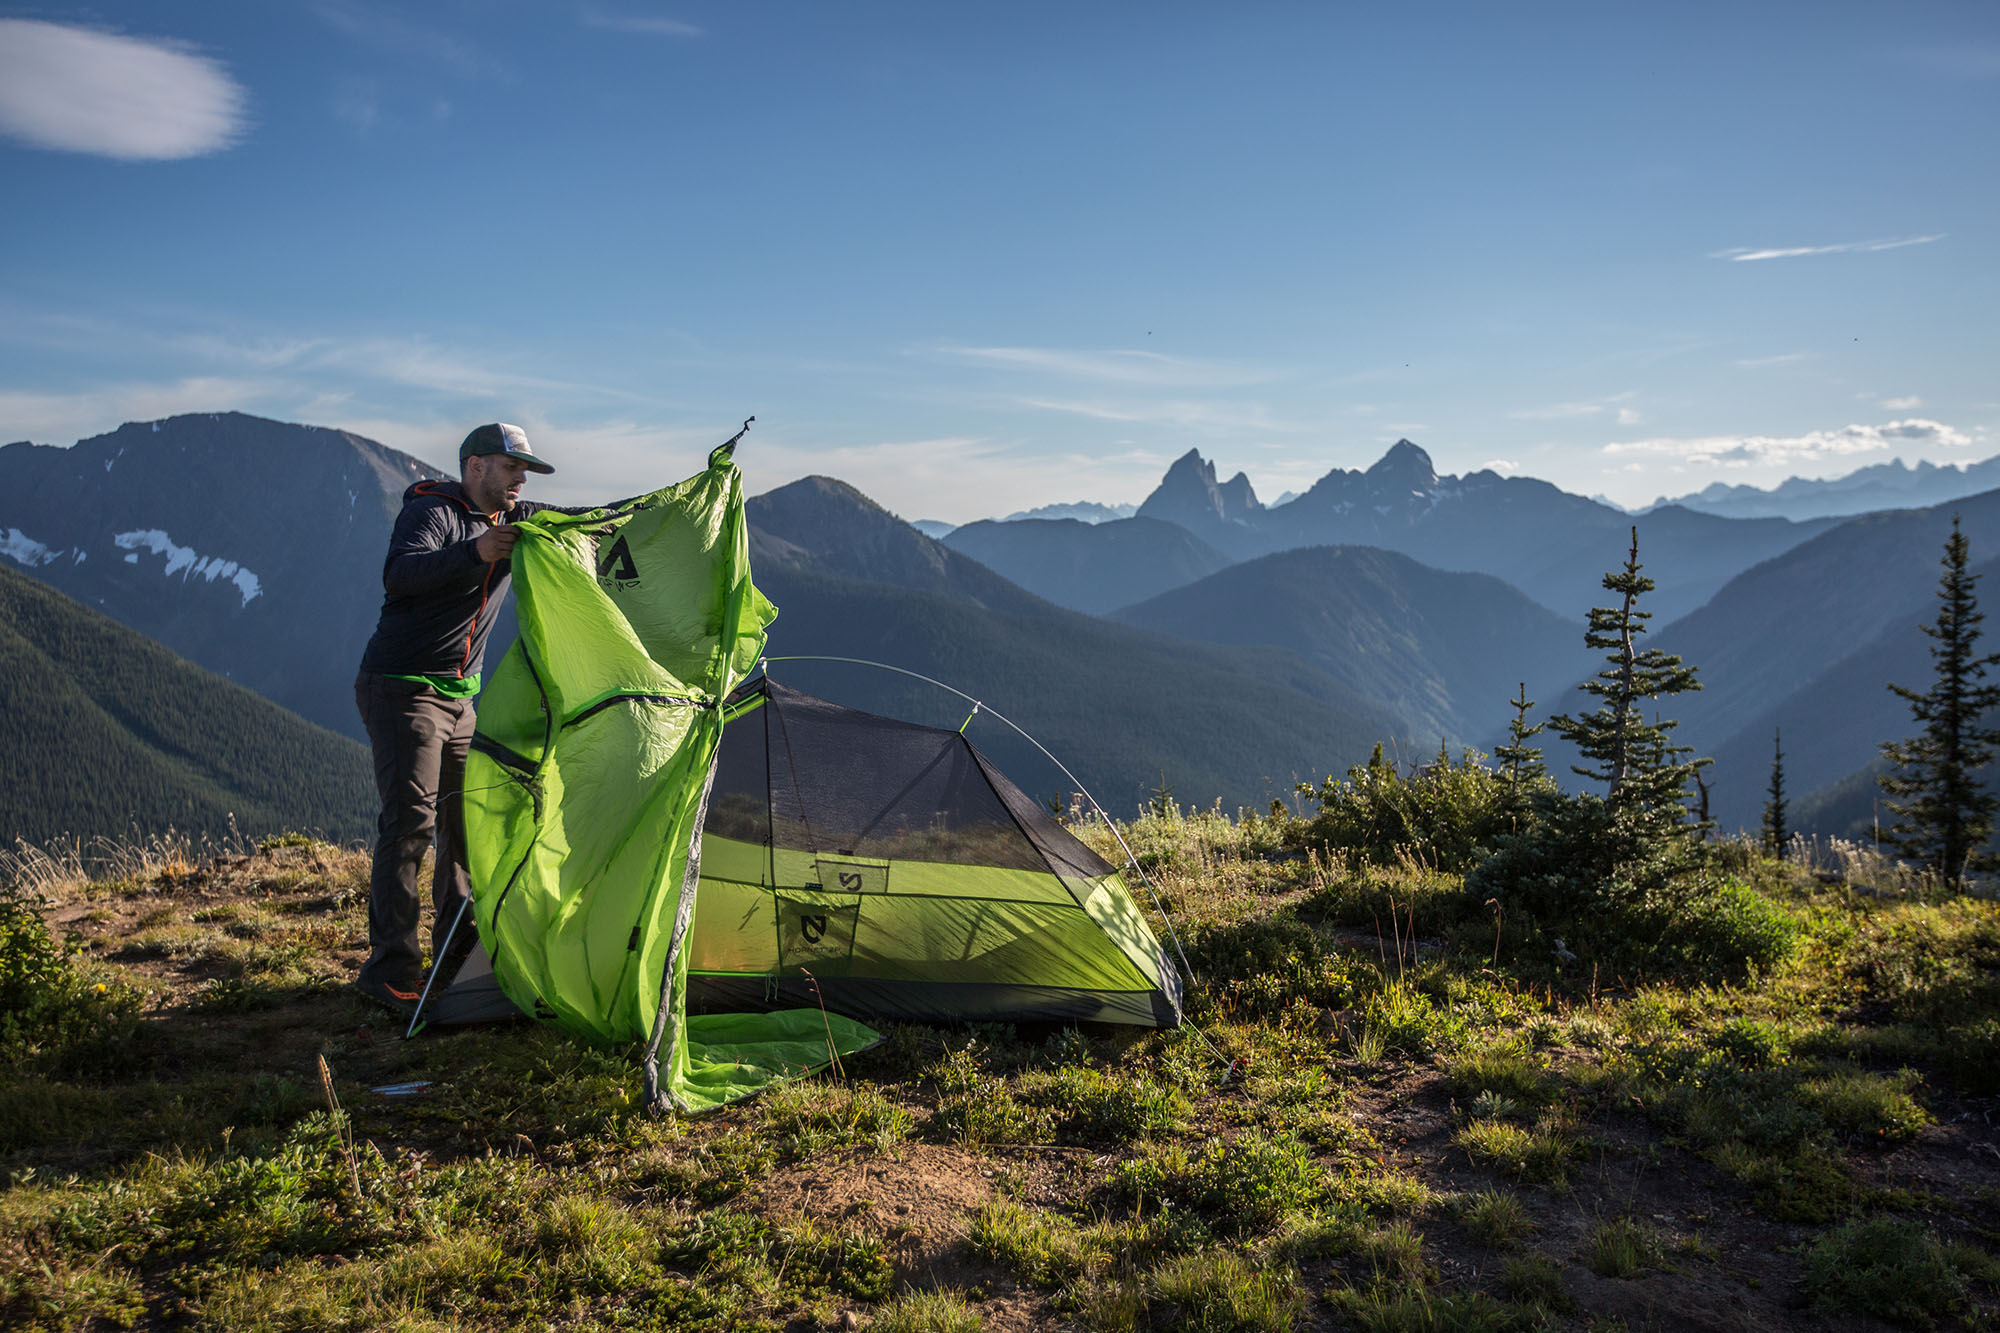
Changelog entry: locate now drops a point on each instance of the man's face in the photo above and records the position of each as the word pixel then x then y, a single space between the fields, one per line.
pixel 493 481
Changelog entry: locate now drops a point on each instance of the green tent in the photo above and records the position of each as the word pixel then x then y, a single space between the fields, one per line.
pixel 632 858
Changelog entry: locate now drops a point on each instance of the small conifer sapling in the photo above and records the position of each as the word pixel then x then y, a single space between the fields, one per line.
pixel 1773 836
pixel 1943 815
pixel 1646 773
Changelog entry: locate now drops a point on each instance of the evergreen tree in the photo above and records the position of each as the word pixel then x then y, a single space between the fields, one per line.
pixel 1520 761
pixel 1774 808
pixel 1945 817
pixel 1646 773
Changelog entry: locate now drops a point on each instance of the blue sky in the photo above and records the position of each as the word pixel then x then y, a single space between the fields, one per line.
pixel 977 258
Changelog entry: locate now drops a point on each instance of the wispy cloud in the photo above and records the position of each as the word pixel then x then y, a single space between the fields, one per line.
pixel 1194 414
pixel 649 25
pixel 60 418
pixel 1746 254
pixel 1769 362
pixel 1113 366
pixel 1910 404
pixel 960 478
pixel 386 28
pixel 358 104
pixel 1499 465
pixel 1557 412
pixel 80 90
pixel 1757 450
pixel 1575 411
pixel 1976 62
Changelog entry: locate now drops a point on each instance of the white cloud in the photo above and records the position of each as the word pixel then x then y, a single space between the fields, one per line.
pixel 593 17
pixel 1502 465
pixel 1112 366
pixel 1768 450
pixel 1910 404
pixel 1627 417
pixel 1746 254
pixel 1767 362
pixel 79 90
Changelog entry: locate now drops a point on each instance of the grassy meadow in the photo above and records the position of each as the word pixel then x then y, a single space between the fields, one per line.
pixel 1398 1105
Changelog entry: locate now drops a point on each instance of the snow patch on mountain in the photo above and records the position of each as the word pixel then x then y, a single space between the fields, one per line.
pixel 189 563
pixel 25 550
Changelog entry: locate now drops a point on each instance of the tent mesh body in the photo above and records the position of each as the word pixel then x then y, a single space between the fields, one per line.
pixel 889 871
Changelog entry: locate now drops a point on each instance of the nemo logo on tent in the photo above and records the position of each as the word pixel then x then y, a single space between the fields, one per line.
pixel 813 928
pixel 616 568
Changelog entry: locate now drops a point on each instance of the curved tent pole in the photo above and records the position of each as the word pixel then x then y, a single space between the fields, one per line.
pixel 1187 969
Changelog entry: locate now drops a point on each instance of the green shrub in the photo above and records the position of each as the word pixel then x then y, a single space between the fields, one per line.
pixel 54 1015
pixel 1867 1106
pixel 976 1108
pixel 1090 1106
pixel 1496 1218
pixel 1403 1017
pixel 1533 1156
pixel 1892 1269
pixel 1445 815
pixel 1751 1044
pixel 1625 897
pixel 935 1311
pixel 1243 1185
pixel 1261 968
pixel 1502 1072
pixel 1217 1291
pixel 1623 1247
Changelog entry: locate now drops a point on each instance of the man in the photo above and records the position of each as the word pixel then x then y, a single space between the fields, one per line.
pixel 444 579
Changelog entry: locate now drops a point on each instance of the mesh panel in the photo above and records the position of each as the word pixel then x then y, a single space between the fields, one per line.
pixel 848 783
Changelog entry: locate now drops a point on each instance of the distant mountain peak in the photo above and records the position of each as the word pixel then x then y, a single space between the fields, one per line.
pixel 1404 467
pixel 1190 496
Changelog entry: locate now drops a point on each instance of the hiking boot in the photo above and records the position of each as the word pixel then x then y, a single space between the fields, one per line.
pixel 400 997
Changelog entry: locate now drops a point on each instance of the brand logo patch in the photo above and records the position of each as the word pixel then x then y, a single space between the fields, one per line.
pixel 812 927
pixel 616 568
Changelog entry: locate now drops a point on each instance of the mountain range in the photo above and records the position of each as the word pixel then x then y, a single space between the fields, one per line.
pixel 1125 709
pixel 242 544
pixel 106 732
pixel 1890 485
pixel 1550 544
pixel 1210 644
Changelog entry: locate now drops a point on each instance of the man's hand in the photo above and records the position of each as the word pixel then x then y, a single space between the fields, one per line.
pixel 496 542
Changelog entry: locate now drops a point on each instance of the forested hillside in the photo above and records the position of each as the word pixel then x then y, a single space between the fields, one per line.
pixel 106 732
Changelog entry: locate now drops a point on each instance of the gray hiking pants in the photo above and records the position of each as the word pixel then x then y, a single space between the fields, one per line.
pixel 420 739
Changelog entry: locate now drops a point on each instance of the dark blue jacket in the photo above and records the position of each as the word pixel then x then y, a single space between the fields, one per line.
pixel 441 598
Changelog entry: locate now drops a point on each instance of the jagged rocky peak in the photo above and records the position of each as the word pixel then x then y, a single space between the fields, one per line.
pixel 1404 468
pixel 1238 498
pixel 1190 496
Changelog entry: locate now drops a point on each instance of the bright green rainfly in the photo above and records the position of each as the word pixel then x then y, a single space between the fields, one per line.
pixel 590 772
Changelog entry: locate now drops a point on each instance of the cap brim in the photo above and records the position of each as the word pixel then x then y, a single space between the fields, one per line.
pixel 532 464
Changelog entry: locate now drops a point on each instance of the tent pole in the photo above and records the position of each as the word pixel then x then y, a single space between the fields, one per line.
pixel 443 952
